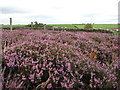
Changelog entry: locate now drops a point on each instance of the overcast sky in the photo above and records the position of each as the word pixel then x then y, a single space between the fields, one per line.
pixel 59 11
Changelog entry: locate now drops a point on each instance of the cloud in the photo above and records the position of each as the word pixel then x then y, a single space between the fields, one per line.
pixel 12 10
pixel 91 15
pixel 40 16
pixel 60 11
pixel 113 20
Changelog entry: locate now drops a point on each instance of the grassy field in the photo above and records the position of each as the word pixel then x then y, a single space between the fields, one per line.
pixel 64 25
pixel 81 26
pixel 75 26
pixel 6 26
pixel 104 26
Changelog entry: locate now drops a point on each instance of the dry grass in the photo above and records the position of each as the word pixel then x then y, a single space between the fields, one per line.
pixel 93 54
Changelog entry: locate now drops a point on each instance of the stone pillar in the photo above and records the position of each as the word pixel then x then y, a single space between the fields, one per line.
pixel 31 25
pixel 11 24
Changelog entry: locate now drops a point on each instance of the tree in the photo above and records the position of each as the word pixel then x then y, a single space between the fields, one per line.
pixel 38 25
pixel 88 26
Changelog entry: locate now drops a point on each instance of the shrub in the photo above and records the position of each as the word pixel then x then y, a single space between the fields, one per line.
pixel 88 26
pixel 54 59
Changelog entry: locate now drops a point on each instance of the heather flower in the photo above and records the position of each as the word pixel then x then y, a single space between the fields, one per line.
pixel 63 84
pixel 69 67
pixel 49 85
pixel 23 78
pixel 31 76
pixel 81 76
pixel 64 56
pixel 96 80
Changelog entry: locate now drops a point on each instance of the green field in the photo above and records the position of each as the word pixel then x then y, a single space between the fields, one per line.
pixel 81 26
pixel 6 26
pixel 104 26
pixel 64 25
pixel 74 26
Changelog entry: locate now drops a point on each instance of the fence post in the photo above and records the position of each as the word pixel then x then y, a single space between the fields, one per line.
pixel 53 28
pixel 44 26
pixel 1 26
pixel 31 25
pixel 62 28
pixel 11 24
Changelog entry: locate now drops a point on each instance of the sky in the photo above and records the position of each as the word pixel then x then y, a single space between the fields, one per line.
pixel 59 11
